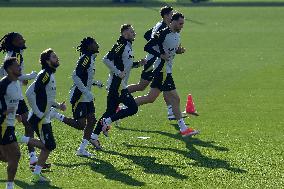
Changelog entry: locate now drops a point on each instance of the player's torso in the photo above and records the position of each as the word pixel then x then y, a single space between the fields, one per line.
pixel 127 58
pixel 171 44
pixel 51 89
pixel 12 98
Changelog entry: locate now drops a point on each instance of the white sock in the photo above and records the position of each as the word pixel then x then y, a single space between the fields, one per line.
pixel 94 136
pixel 9 185
pixel 83 144
pixel 182 125
pixel 24 139
pixel 170 110
pixel 108 121
pixel 37 169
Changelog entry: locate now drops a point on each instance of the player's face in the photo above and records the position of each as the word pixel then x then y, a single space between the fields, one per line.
pixel 94 47
pixel 178 24
pixel 168 17
pixel 131 34
pixel 53 60
pixel 15 69
pixel 19 41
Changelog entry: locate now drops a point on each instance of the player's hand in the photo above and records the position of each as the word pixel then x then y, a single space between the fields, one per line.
pixel 142 62
pixel 180 50
pixel 25 82
pixel 122 74
pixel 19 118
pixel 99 84
pixel 62 106
pixel 165 57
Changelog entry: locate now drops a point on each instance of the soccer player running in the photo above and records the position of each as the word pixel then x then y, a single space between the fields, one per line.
pixel 14 45
pixel 81 96
pixel 165 45
pixel 166 13
pixel 41 97
pixel 10 95
pixel 119 60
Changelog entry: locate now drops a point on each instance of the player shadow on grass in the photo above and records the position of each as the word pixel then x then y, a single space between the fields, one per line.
pixel 150 166
pixel 192 152
pixel 25 185
pixel 108 170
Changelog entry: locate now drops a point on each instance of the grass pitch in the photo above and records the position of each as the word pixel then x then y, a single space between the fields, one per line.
pixel 233 67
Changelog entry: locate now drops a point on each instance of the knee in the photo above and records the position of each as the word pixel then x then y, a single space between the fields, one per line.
pixel 142 87
pixel 18 156
pixel 15 157
pixel 50 146
pixel 177 99
pixel 91 119
pixel 151 98
pixel 80 126
pixel 133 109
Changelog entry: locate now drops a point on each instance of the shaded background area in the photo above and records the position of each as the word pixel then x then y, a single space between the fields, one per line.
pixel 193 3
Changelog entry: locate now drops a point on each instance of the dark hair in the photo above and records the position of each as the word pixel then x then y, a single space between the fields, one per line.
pixel 177 15
pixel 6 41
pixel 165 10
pixel 44 57
pixel 9 62
pixel 124 27
pixel 83 47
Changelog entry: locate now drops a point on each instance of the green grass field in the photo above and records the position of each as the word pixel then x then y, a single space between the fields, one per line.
pixel 234 69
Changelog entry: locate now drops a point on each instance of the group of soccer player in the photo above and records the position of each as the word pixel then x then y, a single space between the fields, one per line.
pixel 163 43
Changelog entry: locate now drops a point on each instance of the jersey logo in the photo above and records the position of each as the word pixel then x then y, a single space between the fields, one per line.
pixel 18 56
pixel 45 78
pixel 86 60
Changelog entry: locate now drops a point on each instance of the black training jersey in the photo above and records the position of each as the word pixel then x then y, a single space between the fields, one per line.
pixel 42 92
pixel 167 42
pixel 83 76
pixel 119 59
pixel 10 95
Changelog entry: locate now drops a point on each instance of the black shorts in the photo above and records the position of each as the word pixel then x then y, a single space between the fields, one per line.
pixel 147 73
pixel 43 131
pixel 82 109
pixel 7 135
pixel 163 82
pixel 22 107
pixel 148 76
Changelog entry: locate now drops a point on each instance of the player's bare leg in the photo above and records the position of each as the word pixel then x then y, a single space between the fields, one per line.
pixel 174 100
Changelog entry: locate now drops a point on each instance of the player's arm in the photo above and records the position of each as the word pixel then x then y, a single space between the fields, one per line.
pixel 139 63
pixel 157 40
pixel 80 71
pixel 40 90
pixel 2 72
pixel 115 53
pixel 2 93
pixel 148 34
pixel 29 76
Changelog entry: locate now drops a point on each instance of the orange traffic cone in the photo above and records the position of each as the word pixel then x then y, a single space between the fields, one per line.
pixel 190 108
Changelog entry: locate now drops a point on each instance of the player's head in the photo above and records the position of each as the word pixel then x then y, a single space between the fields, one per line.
pixel 12 67
pixel 166 13
pixel 177 21
pixel 48 58
pixel 12 41
pixel 88 46
pixel 128 32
